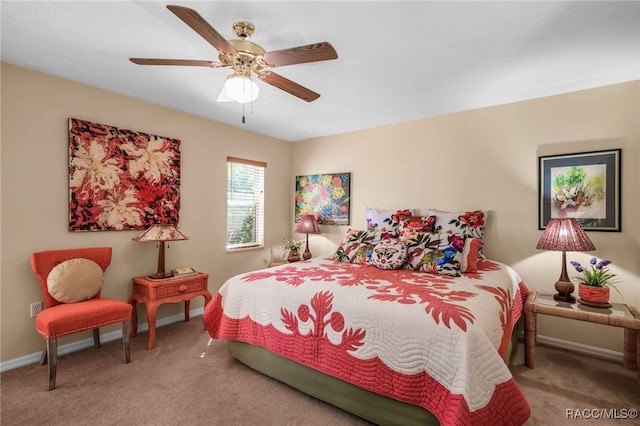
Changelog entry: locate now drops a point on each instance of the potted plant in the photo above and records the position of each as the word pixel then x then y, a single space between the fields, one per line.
pixel 294 249
pixel 594 283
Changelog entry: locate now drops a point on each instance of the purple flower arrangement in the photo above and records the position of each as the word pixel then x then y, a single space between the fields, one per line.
pixel 596 274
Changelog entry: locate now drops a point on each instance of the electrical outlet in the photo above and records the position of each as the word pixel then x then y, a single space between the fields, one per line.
pixel 35 309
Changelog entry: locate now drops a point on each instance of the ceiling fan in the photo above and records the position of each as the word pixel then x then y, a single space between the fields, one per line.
pixel 246 57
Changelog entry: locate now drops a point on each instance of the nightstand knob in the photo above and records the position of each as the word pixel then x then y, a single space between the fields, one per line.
pixel 182 288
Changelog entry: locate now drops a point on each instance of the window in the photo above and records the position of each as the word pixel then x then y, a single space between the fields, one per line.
pixel 245 203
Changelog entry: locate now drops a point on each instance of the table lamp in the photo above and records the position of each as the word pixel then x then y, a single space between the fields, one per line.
pixel 160 234
pixel 564 235
pixel 307 225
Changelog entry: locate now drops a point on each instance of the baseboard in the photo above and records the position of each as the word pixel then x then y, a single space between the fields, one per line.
pixel 579 348
pixel 86 343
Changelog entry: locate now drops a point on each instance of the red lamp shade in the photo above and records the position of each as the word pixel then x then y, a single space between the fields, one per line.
pixel 307 225
pixel 564 235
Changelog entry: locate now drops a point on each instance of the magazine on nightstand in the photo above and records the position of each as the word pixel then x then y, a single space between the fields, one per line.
pixel 183 272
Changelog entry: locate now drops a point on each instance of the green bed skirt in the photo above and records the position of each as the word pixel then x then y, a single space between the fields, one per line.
pixel 368 405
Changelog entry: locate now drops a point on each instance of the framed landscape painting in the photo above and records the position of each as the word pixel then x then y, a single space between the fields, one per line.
pixel 327 196
pixel 584 186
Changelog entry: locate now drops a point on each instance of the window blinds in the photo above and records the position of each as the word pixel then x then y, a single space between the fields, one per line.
pixel 245 203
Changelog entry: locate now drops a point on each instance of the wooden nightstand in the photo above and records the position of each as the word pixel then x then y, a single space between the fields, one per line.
pixel 154 293
pixel 619 315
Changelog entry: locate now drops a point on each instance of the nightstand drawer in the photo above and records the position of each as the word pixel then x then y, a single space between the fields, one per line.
pixel 177 289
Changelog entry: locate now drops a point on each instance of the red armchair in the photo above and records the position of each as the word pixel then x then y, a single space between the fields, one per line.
pixel 62 315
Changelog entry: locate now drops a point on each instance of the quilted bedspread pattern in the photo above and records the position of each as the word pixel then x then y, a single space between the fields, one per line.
pixel 426 339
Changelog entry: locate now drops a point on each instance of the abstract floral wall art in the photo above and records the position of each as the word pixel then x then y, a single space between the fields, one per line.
pixel 121 179
pixel 325 195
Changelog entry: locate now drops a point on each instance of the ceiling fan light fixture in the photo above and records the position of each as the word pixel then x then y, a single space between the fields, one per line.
pixel 241 88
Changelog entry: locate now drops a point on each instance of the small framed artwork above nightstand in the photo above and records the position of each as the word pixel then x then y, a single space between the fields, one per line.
pixel 584 186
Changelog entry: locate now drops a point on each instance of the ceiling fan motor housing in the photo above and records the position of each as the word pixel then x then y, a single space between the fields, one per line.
pixel 244 29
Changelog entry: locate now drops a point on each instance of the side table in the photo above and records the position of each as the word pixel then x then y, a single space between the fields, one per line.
pixel 154 293
pixel 619 315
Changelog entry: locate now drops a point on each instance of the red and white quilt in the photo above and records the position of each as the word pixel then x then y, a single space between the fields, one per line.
pixel 430 340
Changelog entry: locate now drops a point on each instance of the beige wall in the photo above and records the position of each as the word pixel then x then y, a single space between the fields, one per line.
pixel 484 158
pixel 487 159
pixel 35 110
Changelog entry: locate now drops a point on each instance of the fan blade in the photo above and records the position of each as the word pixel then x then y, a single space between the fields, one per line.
pixel 301 54
pixel 202 27
pixel 179 62
pixel 288 86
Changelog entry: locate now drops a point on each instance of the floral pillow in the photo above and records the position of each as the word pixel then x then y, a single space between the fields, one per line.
pixel 435 253
pixel 386 221
pixel 388 254
pixel 413 225
pixel 356 246
pixel 469 224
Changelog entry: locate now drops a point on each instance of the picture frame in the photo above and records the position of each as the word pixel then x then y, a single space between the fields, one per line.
pixel 327 196
pixel 585 186
pixel 121 179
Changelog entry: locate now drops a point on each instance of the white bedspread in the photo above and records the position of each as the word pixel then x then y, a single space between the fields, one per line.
pixel 427 339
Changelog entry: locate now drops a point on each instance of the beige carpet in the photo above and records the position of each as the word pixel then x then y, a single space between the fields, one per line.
pixel 189 379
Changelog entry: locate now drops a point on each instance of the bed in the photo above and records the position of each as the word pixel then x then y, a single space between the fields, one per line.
pixel 391 346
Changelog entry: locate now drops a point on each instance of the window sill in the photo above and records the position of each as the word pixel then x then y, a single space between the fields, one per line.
pixel 244 249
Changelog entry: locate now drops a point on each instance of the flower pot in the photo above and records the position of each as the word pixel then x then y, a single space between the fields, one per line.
pixel 597 297
pixel 294 255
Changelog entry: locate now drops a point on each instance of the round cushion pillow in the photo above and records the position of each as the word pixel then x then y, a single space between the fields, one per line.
pixel 388 254
pixel 75 280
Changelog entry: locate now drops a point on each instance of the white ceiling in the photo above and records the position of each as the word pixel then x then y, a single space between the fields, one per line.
pixel 397 61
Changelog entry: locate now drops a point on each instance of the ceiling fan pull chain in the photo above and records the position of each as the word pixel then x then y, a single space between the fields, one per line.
pixel 242 113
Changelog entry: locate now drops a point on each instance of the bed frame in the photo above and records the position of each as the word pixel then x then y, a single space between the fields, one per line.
pixel 368 405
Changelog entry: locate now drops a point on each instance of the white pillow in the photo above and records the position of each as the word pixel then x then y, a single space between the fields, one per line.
pixel 75 280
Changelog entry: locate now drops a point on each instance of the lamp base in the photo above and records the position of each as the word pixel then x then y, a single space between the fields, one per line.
pixel 307 253
pixel 567 298
pixel 160 276
pixel 564 290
